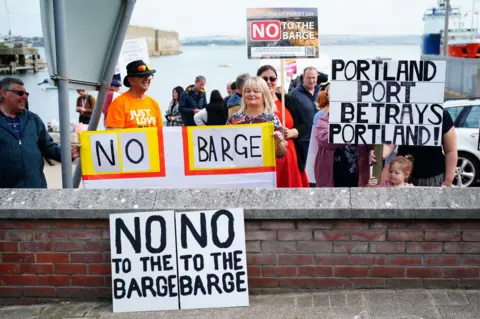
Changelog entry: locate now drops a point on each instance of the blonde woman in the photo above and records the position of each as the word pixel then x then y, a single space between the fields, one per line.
pixel 257 107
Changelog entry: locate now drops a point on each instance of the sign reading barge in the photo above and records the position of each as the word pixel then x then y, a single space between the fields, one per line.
pixel 387 102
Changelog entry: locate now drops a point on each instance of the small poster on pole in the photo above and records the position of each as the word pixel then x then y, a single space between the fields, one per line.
pixel 282 33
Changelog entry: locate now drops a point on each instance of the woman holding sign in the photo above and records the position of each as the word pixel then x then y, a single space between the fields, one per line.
pixel 258 107
pixel 290 168
pixel 339 165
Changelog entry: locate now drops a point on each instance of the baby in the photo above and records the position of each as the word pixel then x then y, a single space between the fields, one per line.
pixel 400 170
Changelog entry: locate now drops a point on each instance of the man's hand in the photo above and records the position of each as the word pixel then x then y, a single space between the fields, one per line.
pixel 195 111
pixel 75 152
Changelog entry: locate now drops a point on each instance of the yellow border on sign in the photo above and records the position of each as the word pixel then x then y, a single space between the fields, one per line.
pixel 268 145
pixel 86 155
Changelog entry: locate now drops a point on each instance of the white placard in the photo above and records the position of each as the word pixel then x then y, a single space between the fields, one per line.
pixel 387 92
pixel 135 154
pixel 132 50
pixel 387 102
pixel 390 70
pixel 105 153
pixel 212 267
pixel 232 148
pixel 144 261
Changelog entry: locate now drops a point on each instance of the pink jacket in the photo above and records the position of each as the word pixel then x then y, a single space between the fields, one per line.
pixel 324 159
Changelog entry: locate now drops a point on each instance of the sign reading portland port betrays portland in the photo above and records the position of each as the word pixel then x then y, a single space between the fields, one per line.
pixel 282 33
pixel 387 102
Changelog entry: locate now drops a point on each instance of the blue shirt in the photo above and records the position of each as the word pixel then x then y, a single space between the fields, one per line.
pixel 13 123
pixel 317 117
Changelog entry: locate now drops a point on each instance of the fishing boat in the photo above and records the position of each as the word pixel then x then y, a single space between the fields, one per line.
pixel 463 35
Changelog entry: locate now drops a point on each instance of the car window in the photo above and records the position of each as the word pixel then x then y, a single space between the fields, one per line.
pixel 454 111
pixel 473 119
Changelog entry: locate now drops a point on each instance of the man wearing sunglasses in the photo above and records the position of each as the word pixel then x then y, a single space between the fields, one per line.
pixel 24 140
pixel 134 109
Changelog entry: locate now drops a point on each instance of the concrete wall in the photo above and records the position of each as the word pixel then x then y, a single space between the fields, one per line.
pixel 55 243
pixel 159 42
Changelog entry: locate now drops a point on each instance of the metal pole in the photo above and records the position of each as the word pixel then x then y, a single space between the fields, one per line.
pixel 107 78
pixel 445 29
pixel 62 83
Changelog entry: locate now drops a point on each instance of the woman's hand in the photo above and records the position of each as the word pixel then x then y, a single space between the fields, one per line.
pixel 287 134
pixel 372 182
pixel 280 144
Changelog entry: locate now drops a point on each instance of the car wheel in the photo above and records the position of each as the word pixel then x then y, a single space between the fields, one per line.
pixel 467 171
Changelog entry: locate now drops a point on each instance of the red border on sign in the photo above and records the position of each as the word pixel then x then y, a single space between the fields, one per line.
pixel 217 171
pixel 161 173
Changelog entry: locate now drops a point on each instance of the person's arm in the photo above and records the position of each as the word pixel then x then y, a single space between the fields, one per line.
pixel 115 115
pixel 47 146
pixel 451 156
pixel 201 118
pixel 183 105
pixel 91 102
pixel 322 134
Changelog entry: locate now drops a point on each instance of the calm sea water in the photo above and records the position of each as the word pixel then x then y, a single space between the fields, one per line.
pixel 182 69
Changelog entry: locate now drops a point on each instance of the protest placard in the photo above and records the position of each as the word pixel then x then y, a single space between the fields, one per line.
pixel 132 50
pixel 144 261
pixel 282 33
pixel 212 266
pixel 240 156
pixel 168 261
pixel 387 102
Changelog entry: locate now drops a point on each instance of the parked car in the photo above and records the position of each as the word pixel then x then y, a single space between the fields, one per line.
pixel 466 117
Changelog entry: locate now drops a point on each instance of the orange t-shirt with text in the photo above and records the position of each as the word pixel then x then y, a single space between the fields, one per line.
pixel 129 112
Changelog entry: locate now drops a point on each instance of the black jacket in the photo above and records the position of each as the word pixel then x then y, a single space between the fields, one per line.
pixel 300 125
pixel 217 114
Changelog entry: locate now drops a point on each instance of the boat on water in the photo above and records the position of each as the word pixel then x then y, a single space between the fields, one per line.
pixel 463 35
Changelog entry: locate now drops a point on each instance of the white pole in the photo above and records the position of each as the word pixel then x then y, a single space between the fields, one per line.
pixel 445 30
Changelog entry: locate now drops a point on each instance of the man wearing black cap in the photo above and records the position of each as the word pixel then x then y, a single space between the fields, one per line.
pixel 134 109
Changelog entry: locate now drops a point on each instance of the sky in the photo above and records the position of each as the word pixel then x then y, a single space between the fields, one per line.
pixel 192 18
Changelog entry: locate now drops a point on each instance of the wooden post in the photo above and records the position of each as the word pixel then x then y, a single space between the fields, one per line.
pixel 282 79
pixel 378 166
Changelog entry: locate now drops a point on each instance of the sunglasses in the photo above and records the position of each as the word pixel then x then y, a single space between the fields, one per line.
pixel 272 78
pixel 19 93
pixel 142 68
pixel 143 76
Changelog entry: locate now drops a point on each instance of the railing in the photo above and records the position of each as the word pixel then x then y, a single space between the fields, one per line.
pixel 462 75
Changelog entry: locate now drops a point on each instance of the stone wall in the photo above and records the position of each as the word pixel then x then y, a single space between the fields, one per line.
pixel 55 243
pixel 159 42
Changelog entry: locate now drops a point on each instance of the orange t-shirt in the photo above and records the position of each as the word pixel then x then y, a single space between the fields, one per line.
pixel 129 112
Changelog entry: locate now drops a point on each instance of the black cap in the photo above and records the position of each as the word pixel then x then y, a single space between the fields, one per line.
pixel 135 68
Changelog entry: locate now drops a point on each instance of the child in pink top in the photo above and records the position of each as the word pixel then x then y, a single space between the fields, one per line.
pixel 400 170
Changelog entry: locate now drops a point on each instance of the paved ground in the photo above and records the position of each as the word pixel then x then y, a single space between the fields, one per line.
pixel 366 304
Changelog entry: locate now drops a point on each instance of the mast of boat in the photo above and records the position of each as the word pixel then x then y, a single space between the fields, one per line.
pixel 445 30
pixel 8 18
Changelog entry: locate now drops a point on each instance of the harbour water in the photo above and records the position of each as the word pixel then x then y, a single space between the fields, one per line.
pixel 219 64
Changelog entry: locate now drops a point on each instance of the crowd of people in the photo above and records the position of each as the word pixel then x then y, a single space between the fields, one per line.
pixel 251 99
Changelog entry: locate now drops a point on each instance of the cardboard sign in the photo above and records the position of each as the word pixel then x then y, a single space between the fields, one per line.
pixel 387 102
pixel 235 156
pixel 209 270
pixel 212 266
pixel 281 33
pixel 132 50
pixel 144 261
